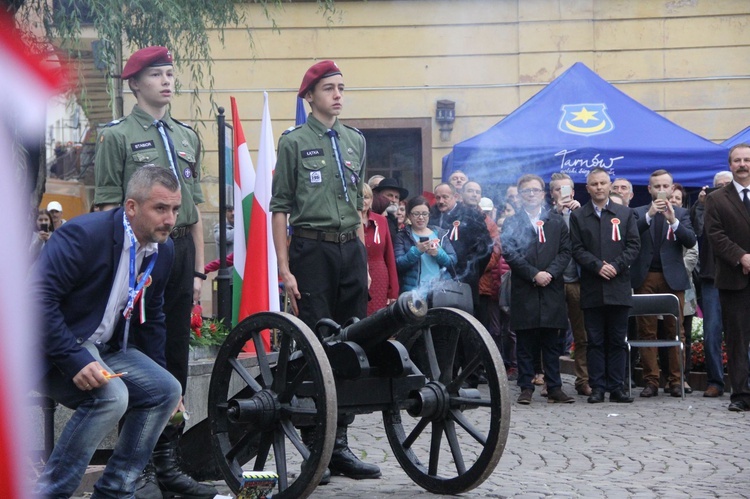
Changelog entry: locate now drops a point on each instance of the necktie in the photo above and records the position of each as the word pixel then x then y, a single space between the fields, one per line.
pixel 169 146
pixel 745 199
pixel 339 161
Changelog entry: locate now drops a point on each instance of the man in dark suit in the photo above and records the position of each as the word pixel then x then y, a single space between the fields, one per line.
pixel 536 245
pixel 727 223
pixel 101 318
pixel 605 242
pixel 468 234
pixel 665 231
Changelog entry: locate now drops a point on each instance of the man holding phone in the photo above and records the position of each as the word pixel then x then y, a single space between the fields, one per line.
pixel 665 230
pixel 561 192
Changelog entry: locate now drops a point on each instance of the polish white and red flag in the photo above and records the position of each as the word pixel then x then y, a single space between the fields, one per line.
pixel 25 89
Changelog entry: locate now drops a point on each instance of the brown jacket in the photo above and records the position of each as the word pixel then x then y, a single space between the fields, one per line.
pixel 727 224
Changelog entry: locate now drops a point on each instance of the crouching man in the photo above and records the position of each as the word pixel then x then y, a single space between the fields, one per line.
pixel 101 284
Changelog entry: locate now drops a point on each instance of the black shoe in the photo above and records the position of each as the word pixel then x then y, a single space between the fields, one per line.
pixel 344 462
pixel 650 391
pixel 739 406
pixel 146 486
pixel 172 480
pixel 525 397
pixel 620 396
pixel 557 396
pixel 596 397
pixel 675 390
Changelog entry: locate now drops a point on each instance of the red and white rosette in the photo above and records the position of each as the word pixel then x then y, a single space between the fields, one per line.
pixel 142 296
pixel 454 231
pixel 616 229
pixel 540 231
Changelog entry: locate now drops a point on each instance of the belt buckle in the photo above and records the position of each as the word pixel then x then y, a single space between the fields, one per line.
pixel 343 237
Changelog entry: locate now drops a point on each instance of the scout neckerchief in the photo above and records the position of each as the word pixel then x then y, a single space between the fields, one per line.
pixel 135 290
pixel 168 145
pixel 339 162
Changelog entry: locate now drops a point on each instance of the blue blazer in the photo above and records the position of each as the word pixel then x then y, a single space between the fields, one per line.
pixel 73 278
pixel 672 262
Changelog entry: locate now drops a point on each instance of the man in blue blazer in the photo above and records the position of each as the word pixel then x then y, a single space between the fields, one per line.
pixel 665 231
pixel 102 317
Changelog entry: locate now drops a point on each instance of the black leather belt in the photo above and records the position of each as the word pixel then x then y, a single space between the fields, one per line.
pixel 329 237
pixel 179 232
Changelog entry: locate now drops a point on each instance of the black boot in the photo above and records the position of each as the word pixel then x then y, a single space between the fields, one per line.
pixel 344 462
pixel 146 486
pixel 172 480
pixel 308 437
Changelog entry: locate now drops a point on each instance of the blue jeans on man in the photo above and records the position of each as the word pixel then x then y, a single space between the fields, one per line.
pixel 530 342
pixel 149 395
pixel 712 334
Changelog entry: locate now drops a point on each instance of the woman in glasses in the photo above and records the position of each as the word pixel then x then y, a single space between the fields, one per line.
pixel 423 252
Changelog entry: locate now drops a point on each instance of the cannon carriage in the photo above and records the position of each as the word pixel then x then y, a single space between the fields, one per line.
pixel 404 361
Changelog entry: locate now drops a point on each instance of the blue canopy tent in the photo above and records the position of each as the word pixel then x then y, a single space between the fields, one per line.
pixel 577 122
pixel 742 137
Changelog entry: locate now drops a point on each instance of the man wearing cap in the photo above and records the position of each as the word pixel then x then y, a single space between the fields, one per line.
pixel 390 189
pixel 55 210
pixel 150 136
pixel 318 185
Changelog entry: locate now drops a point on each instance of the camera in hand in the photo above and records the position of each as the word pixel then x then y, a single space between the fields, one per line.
pixel 423 239
pixel 44 227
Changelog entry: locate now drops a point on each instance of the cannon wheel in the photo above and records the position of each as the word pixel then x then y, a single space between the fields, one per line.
pixel 425 435
pixel 292 386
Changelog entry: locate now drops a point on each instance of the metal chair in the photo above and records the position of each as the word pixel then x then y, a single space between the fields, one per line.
pixel 657 304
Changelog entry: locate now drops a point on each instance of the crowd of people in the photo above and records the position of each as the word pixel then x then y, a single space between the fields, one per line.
pixel 537 264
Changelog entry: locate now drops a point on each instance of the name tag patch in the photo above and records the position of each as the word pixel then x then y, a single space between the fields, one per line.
pixel 311 153
pixel 315 177
pixel 139 146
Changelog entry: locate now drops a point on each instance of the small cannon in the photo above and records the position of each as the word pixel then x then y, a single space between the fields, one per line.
pixel 409 362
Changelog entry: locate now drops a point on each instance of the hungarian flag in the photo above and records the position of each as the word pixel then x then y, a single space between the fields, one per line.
pixel 259 278
pixel 244 184
pixel 26 86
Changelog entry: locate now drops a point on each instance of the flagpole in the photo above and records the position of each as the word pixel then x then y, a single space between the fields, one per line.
pixel 223 290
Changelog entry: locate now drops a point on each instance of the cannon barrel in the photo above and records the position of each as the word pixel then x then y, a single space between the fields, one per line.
pixel 408 309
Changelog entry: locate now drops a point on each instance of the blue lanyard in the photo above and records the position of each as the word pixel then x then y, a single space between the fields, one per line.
pixel 339 161
pixel 133 288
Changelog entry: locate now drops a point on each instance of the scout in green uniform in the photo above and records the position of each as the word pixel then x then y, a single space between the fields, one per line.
pixel 318 184
pixel 150 137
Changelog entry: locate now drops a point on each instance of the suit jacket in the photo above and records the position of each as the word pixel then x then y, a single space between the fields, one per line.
pixel 673 265
pixel 593 244
pixel 473 245
pixel 727 224
pixel 533 306
pixel 74 277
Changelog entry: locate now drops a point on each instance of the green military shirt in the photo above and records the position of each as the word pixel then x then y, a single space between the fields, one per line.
pixel 134 141
pixel 307 184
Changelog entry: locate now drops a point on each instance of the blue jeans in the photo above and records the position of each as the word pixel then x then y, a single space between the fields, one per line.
pixel 530 343
pixel 148 393
pixel 712 334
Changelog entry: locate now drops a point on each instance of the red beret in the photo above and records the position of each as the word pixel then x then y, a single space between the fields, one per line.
pixel 144 58
pixel 318 71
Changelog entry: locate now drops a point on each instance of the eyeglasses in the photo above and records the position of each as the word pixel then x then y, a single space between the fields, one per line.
pixel 533 191
pixel 422 214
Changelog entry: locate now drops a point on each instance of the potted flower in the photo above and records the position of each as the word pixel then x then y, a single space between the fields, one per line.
pixel 206 334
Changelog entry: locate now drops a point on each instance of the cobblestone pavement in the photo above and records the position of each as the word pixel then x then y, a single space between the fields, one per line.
pixel 661 447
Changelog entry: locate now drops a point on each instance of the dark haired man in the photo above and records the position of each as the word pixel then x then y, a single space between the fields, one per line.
pixel 150 136
pixel 318 185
